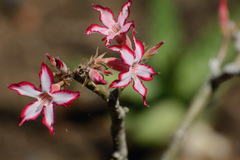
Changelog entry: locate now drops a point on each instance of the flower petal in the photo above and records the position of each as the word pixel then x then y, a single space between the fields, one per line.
pixel 141 89
pixel 48 118
pixel 96 28
pixel 106 15
pixel 46 78
pixel 126 27
pixel 64 97
pixel 139 49
pixel 124 13
pixel 145 72
pixel 116 64
pixel 128 42
pixel 125 52
pixel 30 112
pixel 26 89
pixel 152 51
pixel 110 37
pixel 124 79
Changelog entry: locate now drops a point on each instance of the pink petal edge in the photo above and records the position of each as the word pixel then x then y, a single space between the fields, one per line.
pixel 96 28
pixel 124 13
pixel 115 83
pixel 106 18
pixel 46 78
pixel 68 102
pixel 125 28
pixel 139 48
pixel 18 86
pixel 44 121
pixel 151 73
pixel 24 114
pixel 139 82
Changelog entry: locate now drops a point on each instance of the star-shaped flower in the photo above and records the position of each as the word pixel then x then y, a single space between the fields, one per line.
pixel 47 96
pixel 113 29
pixel 137 71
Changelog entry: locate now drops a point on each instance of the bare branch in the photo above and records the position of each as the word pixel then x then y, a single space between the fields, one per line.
pixel 117 112
pixel 202 98
pixel 79 76
pixel 118 126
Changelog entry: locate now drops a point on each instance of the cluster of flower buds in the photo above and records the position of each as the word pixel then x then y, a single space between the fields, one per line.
pixel 131 66
pixel 95 70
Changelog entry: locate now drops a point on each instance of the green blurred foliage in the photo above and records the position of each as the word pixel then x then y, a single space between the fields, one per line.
pixel 165 25
pixel 193 67
pixel 184 67
pixel 155 125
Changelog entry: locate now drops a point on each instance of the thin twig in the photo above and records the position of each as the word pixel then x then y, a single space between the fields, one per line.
pixel 200 101
pixel 79 76
pixel 198 104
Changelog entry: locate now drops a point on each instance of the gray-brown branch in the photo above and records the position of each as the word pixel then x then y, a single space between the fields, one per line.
pixel 117 112
pixel 202 98
pixel 118 126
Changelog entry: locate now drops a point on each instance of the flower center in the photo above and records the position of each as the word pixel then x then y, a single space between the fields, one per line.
pixel 134 70
pixel 114 28
pixel 45 99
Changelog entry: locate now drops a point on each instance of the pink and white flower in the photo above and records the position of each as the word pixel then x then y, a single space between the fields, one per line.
pixel 113 29
pixel 136 70
pixel 47 96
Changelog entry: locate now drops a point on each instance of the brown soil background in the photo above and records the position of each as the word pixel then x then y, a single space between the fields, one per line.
pixel 28 30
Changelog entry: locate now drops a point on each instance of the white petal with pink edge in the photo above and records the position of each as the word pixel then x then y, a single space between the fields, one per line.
pixel 127 55
pixel 115 48
pixel 31 111
pixel 139 49
pixel 124 79
pixel 125 28
pixel 26 89
pixel 48 118
pixel 96 28
pixel 110 37
pixel 46 78
pixel 145 72
pixel 140 88
pixel 106 15
pixel 124 13
pixel 64 97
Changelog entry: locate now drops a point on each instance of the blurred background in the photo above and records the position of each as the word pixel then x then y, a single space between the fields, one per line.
pixel 29 29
